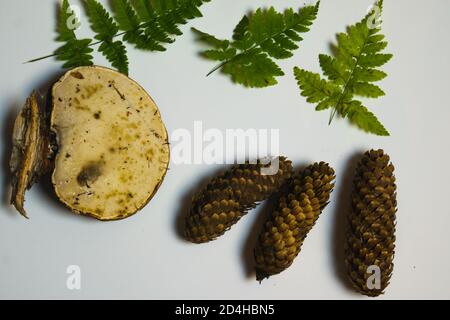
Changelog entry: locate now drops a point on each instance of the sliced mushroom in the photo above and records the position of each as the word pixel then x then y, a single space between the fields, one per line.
pixel 113 149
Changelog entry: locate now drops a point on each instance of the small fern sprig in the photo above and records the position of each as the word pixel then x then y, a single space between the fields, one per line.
pixel 258 40
pixel 351 72
pixel 146 24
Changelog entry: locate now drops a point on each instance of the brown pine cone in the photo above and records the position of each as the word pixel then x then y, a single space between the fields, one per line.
pixel 229 196
pixel 371 233
pixel 296 211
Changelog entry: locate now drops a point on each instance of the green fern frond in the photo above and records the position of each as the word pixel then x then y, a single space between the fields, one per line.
pixel 258 40
pixel 145 24
pixel 73 52
pixel 351 72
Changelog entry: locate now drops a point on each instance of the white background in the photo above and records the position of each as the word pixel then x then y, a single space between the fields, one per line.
pixel 144 257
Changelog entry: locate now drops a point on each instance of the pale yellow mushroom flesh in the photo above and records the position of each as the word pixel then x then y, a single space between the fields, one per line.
pixel 113 149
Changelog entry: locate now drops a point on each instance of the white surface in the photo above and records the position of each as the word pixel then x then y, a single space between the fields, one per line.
pixel 143 257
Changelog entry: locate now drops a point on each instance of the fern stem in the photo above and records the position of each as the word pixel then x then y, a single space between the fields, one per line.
pixel 218 67
pixel 41 58
pixel 223 63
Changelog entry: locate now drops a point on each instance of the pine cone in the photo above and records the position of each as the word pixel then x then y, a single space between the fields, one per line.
pixel 296 211
pixel 370 237
pixel 229 196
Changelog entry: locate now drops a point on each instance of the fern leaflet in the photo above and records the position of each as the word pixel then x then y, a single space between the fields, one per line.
pixel 106 29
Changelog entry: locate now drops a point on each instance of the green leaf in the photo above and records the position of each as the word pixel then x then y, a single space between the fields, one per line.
pixel 350 72
pixel 101 22
pixel 169 25
pixel 326 103
pixel 219 55
pixel 75 53
pixel 375 38
pixel 375 47
pixel 374 60
pixel 366 120
pixel 106 29
pixel 211 40
pixel 149 25
pixel 368 75
pixel 241 29
pixel 128 21
pixel 265 24
pixel 347 49
pixel 313 87
pixel 125 15
pixel 116 53
pixel 305 17
pixel 259 39
pixel 253 69
pixel 333 69
pixel 143 9
pixel 367 90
